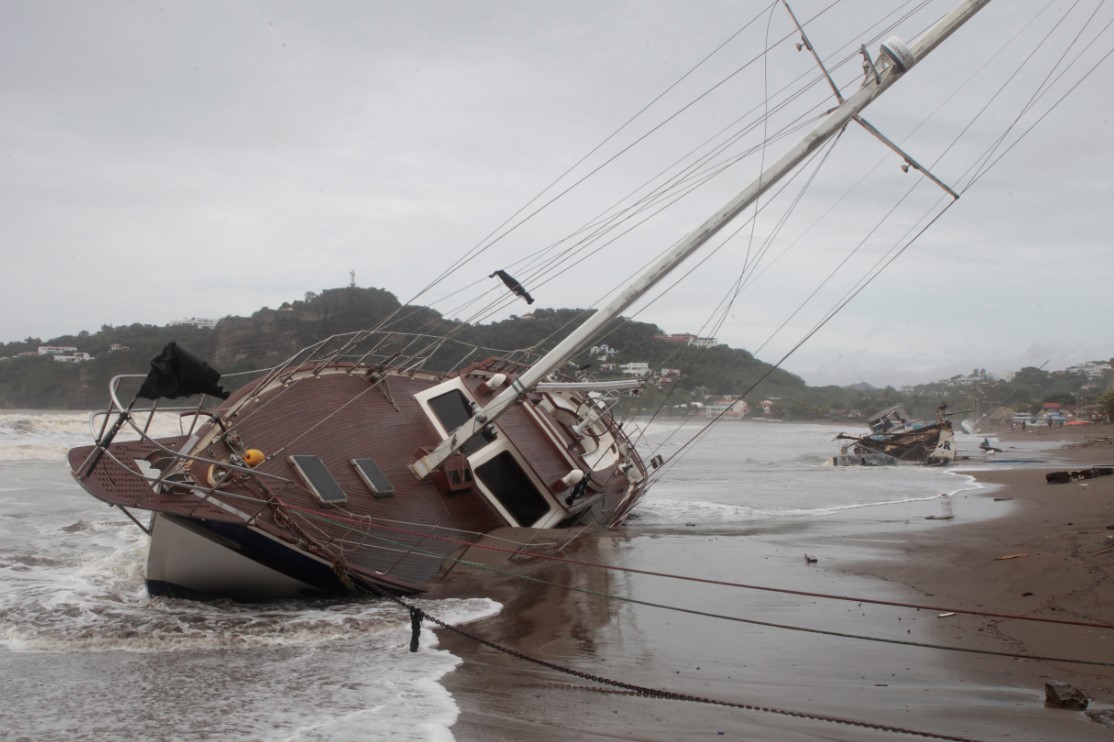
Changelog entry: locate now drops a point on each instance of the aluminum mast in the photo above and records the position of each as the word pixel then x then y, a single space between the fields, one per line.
pixel 895 60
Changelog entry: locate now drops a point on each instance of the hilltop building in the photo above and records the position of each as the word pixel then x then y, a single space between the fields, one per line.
pixel 635 369
pixel 199 322
pixel 1093 370
pixel 687 338
pixel 78 357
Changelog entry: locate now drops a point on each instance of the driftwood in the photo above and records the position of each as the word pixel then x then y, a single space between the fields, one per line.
pixel 1060 477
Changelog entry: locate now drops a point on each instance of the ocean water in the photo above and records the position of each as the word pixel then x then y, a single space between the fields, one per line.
pixel 86 654
pixel 755 472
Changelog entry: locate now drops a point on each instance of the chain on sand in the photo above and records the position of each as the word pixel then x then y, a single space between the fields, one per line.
pixel 417 615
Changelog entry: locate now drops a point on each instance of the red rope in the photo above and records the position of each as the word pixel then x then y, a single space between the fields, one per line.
pixel 721 583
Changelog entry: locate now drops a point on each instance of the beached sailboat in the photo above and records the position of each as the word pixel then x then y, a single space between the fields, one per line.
pixel 896 438
pixel 302 481
pixel 360 463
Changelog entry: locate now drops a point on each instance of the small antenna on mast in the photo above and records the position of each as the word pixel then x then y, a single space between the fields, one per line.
pixel 898 55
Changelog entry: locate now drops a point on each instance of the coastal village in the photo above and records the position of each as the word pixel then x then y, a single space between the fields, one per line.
pixel 355 516
pixel 1094 378
pixel 72 354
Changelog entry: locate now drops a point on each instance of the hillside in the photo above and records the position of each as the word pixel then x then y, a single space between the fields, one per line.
pixel 270 336
pixel 694 374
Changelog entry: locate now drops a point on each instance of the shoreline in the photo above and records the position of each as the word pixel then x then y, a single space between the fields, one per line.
pixel 1054 535
pixel 1051 554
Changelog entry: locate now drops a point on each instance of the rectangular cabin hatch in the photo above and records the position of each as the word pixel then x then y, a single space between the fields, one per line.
pixel 452 410
pixel 317 478
pixel 374 477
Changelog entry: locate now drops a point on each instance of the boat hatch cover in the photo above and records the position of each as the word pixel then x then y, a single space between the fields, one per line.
pixel 374 477
pixel 317 478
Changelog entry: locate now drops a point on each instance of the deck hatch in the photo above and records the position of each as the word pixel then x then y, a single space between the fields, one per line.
pixel 318 479
pixel 453 409
pixel 374 477
pixel 512 487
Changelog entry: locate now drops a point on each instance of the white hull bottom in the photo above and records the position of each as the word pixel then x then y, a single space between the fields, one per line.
pixel 181 562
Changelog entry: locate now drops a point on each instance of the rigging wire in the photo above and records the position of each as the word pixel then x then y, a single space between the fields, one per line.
pixel 381 525
pixel 690 186
pixel 689 177
pixel 900 248
pixel 494 307
pixel 879 266
pixel 655 128
pixel 724 308
pixel 990 160
pixel 718 316
pixel 886 263
pixel 498 234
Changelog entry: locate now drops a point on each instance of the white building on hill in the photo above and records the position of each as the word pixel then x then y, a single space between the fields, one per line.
pixel 78 357
pixel 200 322
pixel 635 369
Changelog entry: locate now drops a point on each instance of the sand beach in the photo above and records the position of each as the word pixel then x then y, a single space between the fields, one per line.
pixel 757 664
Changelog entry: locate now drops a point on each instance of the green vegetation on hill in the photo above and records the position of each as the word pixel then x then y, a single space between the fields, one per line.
pixel 270 336
pixel 40 382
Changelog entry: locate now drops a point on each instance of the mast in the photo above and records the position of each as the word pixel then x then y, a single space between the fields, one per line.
pixel 895 59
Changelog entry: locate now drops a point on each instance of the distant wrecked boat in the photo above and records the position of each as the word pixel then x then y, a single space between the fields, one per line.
pixel 896 438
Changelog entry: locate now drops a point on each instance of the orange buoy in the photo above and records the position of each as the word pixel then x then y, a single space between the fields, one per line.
pixel 253 457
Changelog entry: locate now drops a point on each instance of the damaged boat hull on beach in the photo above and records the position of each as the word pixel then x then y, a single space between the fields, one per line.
pixel 896 438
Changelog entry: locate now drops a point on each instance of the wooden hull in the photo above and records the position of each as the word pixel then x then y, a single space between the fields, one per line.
pixel 309 518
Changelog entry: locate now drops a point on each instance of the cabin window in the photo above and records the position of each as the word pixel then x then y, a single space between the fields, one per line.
pixel 318 480
pixel 453 409
pixel 514 490
pixel 373 477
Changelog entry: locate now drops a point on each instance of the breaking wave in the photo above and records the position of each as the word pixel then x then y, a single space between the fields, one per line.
pixel 45 436
pixel 92 597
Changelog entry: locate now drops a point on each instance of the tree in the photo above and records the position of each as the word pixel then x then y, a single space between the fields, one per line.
pixel 1106 402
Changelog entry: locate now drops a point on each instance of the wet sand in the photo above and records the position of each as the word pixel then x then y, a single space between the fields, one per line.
pixel 1017 546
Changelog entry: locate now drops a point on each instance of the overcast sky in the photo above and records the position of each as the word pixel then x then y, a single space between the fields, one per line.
pixel 203 159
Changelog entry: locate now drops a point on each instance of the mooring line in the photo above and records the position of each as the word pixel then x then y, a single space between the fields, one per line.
pixel 417 615
pixel 345 575
pixel 724 583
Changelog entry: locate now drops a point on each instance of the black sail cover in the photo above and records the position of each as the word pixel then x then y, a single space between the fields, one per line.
pixel 513 285
pixel 176 372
